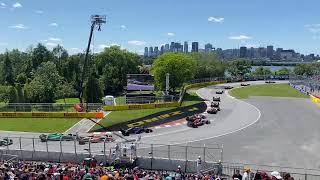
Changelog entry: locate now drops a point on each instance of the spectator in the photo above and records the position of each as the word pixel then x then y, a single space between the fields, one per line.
pixel 237 175
pixel 264 176
pixel 286 176
pixel 257 176
pixel 275 175
pixel 246 174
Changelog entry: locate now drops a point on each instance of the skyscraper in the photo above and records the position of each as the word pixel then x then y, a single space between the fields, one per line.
pixel 186 47
pixel 156 51
pixel 195 47
pixel 146 54
pixel 172 47
pixel 208 48
pixel 162 49
pixel 243 52
pixel 269 51
pixel 150 51
pixel 166 48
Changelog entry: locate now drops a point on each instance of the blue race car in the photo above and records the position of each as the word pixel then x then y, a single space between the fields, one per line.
pixel 135 130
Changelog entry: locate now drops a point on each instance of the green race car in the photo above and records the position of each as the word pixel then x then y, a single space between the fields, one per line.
pixel 6 142
pixel 57 137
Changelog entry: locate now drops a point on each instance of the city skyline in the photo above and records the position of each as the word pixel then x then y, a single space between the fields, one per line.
pixel 133 25
pixel 270 51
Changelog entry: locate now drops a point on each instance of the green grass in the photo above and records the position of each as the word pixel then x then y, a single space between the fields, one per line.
pixel 117 117
pixel 273 90
pixel 68 101
pixel 41 125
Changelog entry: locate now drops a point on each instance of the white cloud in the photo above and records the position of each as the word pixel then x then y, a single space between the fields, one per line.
pixel 252 45
pixel 217 20
pixel 137 43
pixel 19 26
pixel 3 5
pixel 53 24
pixel 313 28
pixel 170 34
pixel 50 44
pixel 102 46
pixel 241 37
pixel 38 12
pixel 16 5
pixel 54 39
pixel 123 27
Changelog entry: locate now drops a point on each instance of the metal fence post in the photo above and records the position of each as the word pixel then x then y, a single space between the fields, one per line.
pixel 151 156
pixel 104 149
pixel 221 153
pixel 33 148
pixel 169 152
pixel 75 149
pixel 89 148
pixel 204 152
pixel 185 167
pixel 20 146
pixel 47 148
pixel 60 149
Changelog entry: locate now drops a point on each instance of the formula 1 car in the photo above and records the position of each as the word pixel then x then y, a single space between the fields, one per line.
pixel 96 138
pixel 228 87
pixel 216 99
pixel 135 130
pixel 215 104
pixel 195 121
pixel 58 137
pixel 219 92
pixel 244 84
pixel 212 110
pixel 6 142
pixel 270 82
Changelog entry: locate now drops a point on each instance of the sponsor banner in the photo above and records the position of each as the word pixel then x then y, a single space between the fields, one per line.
pixel 161 117
pixel 140 106
pixel 96 115
pixel 315 99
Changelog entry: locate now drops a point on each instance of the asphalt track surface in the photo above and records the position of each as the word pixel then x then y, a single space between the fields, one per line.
pixel 259 130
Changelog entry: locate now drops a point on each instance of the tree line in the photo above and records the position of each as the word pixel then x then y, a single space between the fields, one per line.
pixel 40 75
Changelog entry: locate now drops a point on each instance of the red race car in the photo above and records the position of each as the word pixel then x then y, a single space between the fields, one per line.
pixel 97 138
pixel 212 110
pixel 196 120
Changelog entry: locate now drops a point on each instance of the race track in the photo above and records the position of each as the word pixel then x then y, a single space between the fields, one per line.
pixel 259 130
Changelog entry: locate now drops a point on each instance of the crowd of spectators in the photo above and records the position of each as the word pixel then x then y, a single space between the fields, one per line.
pixel 262 175
pixel 94 171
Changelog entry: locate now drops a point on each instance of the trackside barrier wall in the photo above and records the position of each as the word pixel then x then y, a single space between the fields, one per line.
pixel 315 99
pixel 140 106
pixel 96 115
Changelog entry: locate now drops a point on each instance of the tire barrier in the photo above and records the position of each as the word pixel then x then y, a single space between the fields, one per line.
pixel 96 115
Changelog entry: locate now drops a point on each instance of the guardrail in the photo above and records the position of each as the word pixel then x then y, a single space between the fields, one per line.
pixel 44 107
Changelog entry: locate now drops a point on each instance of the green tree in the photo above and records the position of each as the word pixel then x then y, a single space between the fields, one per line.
pixel 181 68
pixel 7 71
pixel 43 87
pixel 5 94
pixel 93 90
pixel 208 65
pixel 283 71
pixel 239 68
pixel 65 90
pixel 39 55
pixel 113 65
pixel 261 71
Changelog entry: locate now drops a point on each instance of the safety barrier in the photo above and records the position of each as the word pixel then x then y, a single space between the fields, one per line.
pixel 140 106
pixel 315 99
pixel 96 115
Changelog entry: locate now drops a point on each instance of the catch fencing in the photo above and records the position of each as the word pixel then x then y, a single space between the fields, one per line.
pixel 150 156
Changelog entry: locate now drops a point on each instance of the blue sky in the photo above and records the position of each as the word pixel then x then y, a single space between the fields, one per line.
pixel 134 24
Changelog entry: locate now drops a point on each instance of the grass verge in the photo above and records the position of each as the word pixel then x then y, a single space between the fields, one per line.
pixel 40 125
pixel 68 101
pixel 117 117
pixel 272 90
